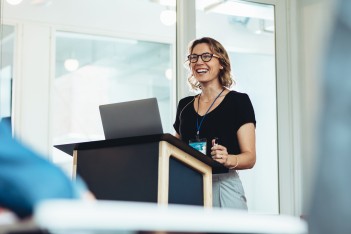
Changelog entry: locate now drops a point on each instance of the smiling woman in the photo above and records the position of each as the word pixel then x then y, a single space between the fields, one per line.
pixel 227 135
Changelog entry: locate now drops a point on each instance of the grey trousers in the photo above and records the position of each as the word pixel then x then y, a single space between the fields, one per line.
pixel 227 191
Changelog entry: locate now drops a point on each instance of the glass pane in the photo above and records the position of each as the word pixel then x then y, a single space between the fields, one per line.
pixel 7 52
pixel 247 32
pixel 114 52
pixel 94 70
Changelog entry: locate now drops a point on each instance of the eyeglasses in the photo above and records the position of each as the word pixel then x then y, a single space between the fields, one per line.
pixel 206 57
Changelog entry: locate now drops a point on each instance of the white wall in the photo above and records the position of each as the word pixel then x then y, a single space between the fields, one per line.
pixel 32 85
pixel 315 19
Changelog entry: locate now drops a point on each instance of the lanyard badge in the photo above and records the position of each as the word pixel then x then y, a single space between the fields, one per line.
pixel 197 143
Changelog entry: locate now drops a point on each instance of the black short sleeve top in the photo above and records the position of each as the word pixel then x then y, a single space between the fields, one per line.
pixel 222 122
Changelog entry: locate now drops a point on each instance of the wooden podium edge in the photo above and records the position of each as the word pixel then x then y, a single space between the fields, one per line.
pixel 74 169
pixel 167 150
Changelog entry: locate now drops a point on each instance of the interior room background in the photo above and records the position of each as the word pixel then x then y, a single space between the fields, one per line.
pixel 60 61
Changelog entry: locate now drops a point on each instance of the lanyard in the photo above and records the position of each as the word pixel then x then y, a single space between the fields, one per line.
pixel 198 126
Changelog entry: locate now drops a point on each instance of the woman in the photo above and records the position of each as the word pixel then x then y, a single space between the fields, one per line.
pixel 218 121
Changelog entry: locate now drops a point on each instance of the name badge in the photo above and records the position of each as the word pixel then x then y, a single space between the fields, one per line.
pixel 199 144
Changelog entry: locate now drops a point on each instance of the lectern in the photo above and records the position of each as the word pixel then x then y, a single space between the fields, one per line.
pixel 154 168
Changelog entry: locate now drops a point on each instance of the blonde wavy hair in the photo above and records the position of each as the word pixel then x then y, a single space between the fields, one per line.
pixel 225 77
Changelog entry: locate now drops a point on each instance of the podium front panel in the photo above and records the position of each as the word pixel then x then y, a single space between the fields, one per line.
pixel 127 173
pixel 185 184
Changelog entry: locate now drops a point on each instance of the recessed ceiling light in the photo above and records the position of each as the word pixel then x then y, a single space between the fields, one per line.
pixel 14 2
pixel 71 64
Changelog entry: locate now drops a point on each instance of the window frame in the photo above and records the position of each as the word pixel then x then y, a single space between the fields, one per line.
pixel 288 107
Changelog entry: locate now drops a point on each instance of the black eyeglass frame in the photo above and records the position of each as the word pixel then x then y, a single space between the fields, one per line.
pixel 202 57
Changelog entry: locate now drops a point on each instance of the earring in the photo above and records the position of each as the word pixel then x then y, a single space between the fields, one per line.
pixel 220 67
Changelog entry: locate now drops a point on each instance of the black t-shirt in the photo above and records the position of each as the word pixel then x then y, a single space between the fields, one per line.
pixel 222 122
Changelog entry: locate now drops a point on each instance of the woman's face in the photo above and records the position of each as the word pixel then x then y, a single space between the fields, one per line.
pixel 205 72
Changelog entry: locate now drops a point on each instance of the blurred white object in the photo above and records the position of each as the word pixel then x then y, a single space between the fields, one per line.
pixel 7 217
pixel 71 64
pixel 14 2
pixel 168 17
pixel 104 216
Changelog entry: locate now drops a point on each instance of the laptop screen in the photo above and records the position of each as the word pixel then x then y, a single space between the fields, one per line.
pixel 129 119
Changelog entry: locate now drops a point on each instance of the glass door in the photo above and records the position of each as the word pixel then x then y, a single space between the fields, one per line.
pixel 246 30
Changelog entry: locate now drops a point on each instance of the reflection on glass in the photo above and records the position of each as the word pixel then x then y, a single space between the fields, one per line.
pixel 247 32
pixel 93 70
pixel 7 51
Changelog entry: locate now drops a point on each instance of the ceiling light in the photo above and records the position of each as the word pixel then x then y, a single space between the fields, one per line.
pixel 14 2
pixel 168 73
pixel 71 64
pixel 168 17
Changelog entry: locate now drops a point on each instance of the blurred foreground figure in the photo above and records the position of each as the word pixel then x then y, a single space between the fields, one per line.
pixel 331 201
pixel 27 178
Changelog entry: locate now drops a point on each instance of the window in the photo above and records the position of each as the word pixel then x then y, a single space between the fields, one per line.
pixel 125 55
pixel 92 70
pixel 7 51
pixel 247 32
pixel 95 70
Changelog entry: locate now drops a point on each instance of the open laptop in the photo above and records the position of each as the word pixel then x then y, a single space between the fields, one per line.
pixel 129 119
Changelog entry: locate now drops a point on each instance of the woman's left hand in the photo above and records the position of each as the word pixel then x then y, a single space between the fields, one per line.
pixel 220 154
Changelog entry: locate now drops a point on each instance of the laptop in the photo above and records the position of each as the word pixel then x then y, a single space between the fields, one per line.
pixel 132 118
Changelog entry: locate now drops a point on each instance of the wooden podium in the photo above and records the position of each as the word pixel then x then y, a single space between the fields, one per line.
pixel 154 168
